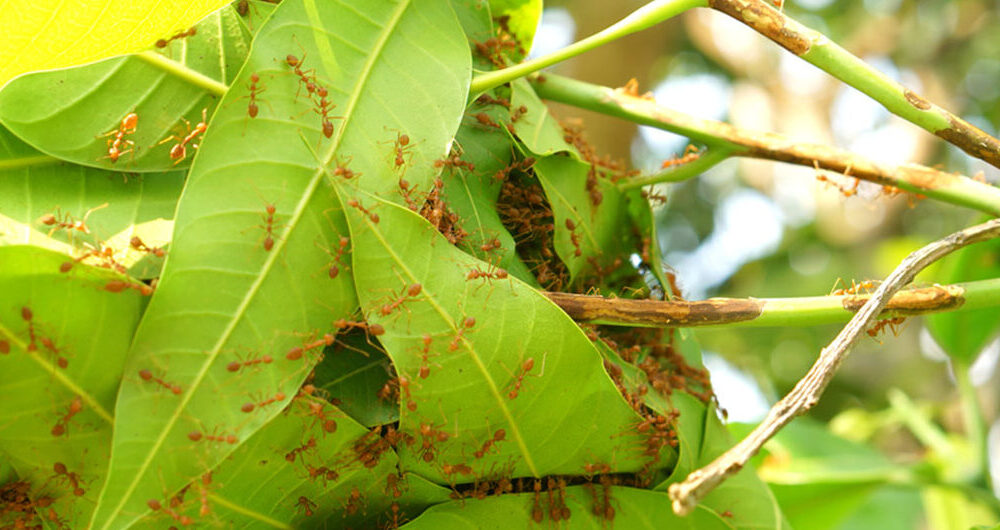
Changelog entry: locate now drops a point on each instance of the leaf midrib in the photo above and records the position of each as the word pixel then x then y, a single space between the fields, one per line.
pixel 266 267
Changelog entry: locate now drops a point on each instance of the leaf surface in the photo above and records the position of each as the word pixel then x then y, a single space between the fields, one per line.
pixel 71 350
pixel 238 301
pixel 69 113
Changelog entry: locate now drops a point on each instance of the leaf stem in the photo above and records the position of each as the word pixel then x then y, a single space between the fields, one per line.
pixel 27 161
pixel 683 172
pixel 182 71
pixel 648 15
pixel 820 51
pixel 946 187
pixel 772 312
pixel 930 435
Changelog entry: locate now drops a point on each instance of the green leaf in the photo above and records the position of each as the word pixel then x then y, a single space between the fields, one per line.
pixel 70 113
pixel 537 129
pixel 234 298
pixel 888 508
pixel 949 509
pixel 633 508
pixel 352 372
pixel 69 351
pixel 524 18
pixel 963 334
pixel 294 463
pixel 566 411
pixel 46 36
pixel 141 206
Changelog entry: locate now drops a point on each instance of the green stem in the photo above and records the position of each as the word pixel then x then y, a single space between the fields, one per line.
pixel 183 72
pixel 683 172
pixel 27 161
pixel 930 435
pixel 648 15
pixel 820 51
pixel 772 312
pixel 972 415
pixel 946 187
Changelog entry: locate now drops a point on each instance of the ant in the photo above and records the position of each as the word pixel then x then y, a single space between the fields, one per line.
pixel 498 437
pixel 892 323
pixel 429 434
pixel 147 375
pixel 28 316
pixel 308 446
pixel 117 286
pixel 425 369
pixel 306 505
pixel 355 502
pixel 691 153
pixel 61 361
pixel 485 120
pixel 518 112
pixel 467 323
pixel 65 221
pixel 846 191
pixel 316 409
pixel 249 406
pixel 454 162
pixel 206 481
pixel 296 64
pixel 179 151
pixel 155 505
pixel 74 408
pixel 371 215
pixel 574 237
pixel 137 244
pixel 162 43
pixel 334 269
pixel 72 478
pixel 343 171
pixel 269 227
pixel 295 353
pixel 490 245
pixel 478 272
pixel 372 329
pixel 197 436
pixel 411 292
pixel 400 147
pixel 254 92
pixel 236 366
pixel 324 106
pixel 854 288
pixel 128 126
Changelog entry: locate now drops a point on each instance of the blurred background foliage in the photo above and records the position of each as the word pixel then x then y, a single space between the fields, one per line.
pixel 762 229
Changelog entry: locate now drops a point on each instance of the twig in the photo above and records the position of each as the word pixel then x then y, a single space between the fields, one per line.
pixel 766 312
pixel 819 50
pixel 806 394
pixel 947 187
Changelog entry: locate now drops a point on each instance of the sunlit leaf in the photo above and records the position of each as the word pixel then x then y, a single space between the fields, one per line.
pixel 76 114
pixel 498 356
pixel 63 340
pixel 258 282
pixel 41 35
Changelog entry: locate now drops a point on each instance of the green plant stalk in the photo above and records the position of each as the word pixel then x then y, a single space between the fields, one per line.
pixel 930 435
pixel 820 51
pixel 683 172
pixel 648 15
pixel 972 415
pixel 183 72
pixel 772 312
pixel 27 161
pixel 945 187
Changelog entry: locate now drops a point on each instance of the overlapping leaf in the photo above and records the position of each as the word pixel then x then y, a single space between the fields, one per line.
pixel 558 412
pixel 237 297
pixel 69 113
pixel 39 36
pixel 63 340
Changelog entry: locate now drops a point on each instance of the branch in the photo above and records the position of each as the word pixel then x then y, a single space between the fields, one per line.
pixel 806 394
pixel 648 15
pixel 939 185
pixel 771 312
pixel 819 50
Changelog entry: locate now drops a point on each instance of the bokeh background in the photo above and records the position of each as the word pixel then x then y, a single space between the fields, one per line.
pixel 765 229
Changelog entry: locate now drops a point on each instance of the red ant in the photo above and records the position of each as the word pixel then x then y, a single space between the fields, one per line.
pixel 254 92
pixel 430 435
pixel 236 366
pixel 467 323
pixel 73 409
pixel 407 192
pixel 295 353
pixel 117 286
pixel 155 505
pixel 128 126
pixel 537 514
pixel 487 99
pixel 250 406
pixel 846 191
pixel 397 516
pixel 478 272
pixel 61 361
pixel 308 446
pixel 137 244
pixel 372 329
pixel 107 257
pixel 322 471
pixel 323 107
pixel 355 502
pixel 334 269
pixel 892 323
pixel 392 488
pixel 490 245
pixel 162 43
pixel 400 147
pixel 316 409
pixel 197 436
pixel 411 292
pixel 574 237
pixel 343 171
pixel 28 316
pixel 526 367
pixel 179 151
pixel 269 227
pixel 485 120
pixel 691 153
pixel 304 80
pixel 498 436
pixel 66 222
pixel 72 478
pixel 454 162
pixel 854 288
pixel 425 370
pixel 147 375
pixel 371 215
pixel 206 481
pixel 518 112
pixel 306 505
